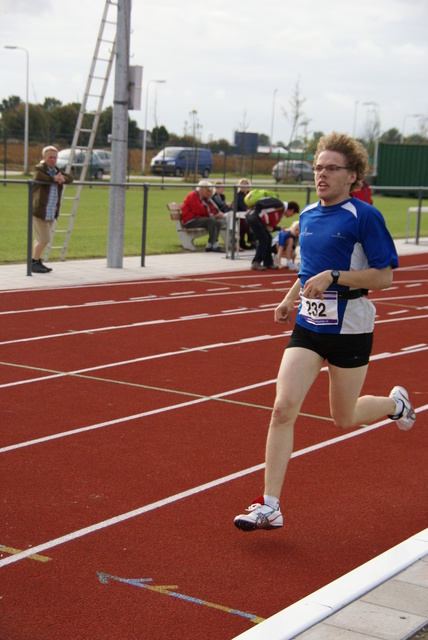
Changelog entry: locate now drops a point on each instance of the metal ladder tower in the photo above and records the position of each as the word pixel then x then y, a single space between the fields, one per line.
pixel 87 125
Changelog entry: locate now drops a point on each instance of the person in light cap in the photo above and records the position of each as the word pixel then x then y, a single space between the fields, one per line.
pixel 199 210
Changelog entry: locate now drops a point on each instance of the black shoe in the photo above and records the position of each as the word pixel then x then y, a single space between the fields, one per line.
pixel 48 269
pixel 37 266
pixel 256 266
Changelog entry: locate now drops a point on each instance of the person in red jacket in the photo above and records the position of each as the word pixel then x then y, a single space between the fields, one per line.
pixel 199 210
pixel 364 193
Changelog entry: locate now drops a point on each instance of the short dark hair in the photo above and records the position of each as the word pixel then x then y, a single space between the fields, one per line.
pixel 294 206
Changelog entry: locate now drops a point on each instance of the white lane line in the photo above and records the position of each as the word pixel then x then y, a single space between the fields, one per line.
pixel 133 325
pixel 187 294
pixel 61 374
pixel 148 323
pixel 41 548
pixel 182 351
pixel 136 416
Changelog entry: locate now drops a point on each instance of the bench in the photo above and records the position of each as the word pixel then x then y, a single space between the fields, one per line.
pixel 188 236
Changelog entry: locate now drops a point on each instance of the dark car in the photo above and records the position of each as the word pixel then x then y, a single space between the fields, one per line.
pixel 180 161
pixel 298 170
pixel 96 168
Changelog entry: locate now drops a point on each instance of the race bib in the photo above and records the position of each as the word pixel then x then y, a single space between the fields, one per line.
pixel 317 311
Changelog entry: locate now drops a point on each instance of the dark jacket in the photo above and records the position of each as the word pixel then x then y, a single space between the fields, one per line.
pixel 41 191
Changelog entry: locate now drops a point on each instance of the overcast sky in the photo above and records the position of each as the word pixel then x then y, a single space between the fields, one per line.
pixel 236 63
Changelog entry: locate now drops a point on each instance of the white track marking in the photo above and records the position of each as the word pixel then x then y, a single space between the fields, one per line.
pixel 42 548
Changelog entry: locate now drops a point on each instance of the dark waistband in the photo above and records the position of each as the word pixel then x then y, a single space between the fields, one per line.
pixel 352 294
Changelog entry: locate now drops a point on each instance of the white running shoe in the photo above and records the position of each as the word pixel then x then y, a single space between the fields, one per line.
pixel 406 418
pixel 260 516
pixel 292 266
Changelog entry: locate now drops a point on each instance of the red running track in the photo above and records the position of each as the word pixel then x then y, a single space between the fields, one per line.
pixel 134 419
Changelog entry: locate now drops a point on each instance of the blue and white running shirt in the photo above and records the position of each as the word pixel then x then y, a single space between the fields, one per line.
pixel 349 236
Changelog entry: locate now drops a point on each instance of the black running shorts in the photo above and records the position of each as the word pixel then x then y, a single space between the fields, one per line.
pixel 348 350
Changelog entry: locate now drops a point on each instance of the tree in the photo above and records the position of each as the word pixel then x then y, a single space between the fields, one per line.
pixel 105 127
pixel 296 116
pixel 392 135
pixel 219 145
pixel 160 136
pixel 313 142
pixel 51 103
pixel 10 103
pixel 264 140
pixel 63 122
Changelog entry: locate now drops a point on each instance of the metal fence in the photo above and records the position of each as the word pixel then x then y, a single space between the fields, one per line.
pixel 146 186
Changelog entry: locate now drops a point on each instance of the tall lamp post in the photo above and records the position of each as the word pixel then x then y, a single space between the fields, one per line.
pixel 145 120
pixel 375 104
pixel 26 106
pixel 273 117
pixel 410 115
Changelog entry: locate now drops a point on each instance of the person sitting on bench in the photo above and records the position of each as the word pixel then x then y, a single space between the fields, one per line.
pixel 199 210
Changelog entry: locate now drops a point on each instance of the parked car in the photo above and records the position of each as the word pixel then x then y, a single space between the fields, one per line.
pixel 298 170
pixel 178 161
pixel 105 157
pixel 96 168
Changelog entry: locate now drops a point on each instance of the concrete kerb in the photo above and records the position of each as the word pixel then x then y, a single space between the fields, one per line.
pixel 94 271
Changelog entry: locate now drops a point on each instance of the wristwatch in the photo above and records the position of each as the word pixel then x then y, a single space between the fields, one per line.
pixel 335 274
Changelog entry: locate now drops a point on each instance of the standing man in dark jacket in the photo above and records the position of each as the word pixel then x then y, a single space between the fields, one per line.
pixel 46 203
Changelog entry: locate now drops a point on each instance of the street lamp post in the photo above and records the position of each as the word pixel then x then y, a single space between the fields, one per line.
pixel 145 120
pixel 26 106
pixel 355 118
pixel 410 115
pixel 273 117
pixel 375 104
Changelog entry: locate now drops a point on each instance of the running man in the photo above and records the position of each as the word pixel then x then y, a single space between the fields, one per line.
pixel 346 250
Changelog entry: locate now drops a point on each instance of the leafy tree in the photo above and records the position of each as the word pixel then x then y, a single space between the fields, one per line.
pixel 10 103
pixel 313 142
pixel 219 145
pixel 63 122
pixel 160 136
pixel 415 138
pixel 51 103
pixel 14 120
pixel 392 135
pixel 105 127
pixel 264 140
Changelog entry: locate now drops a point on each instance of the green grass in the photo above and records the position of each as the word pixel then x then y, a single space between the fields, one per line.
pixel 90 232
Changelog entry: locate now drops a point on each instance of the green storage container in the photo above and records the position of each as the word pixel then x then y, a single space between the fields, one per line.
pixel 402 165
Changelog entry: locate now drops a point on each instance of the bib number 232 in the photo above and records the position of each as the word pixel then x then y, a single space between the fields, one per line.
pixel 317 311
